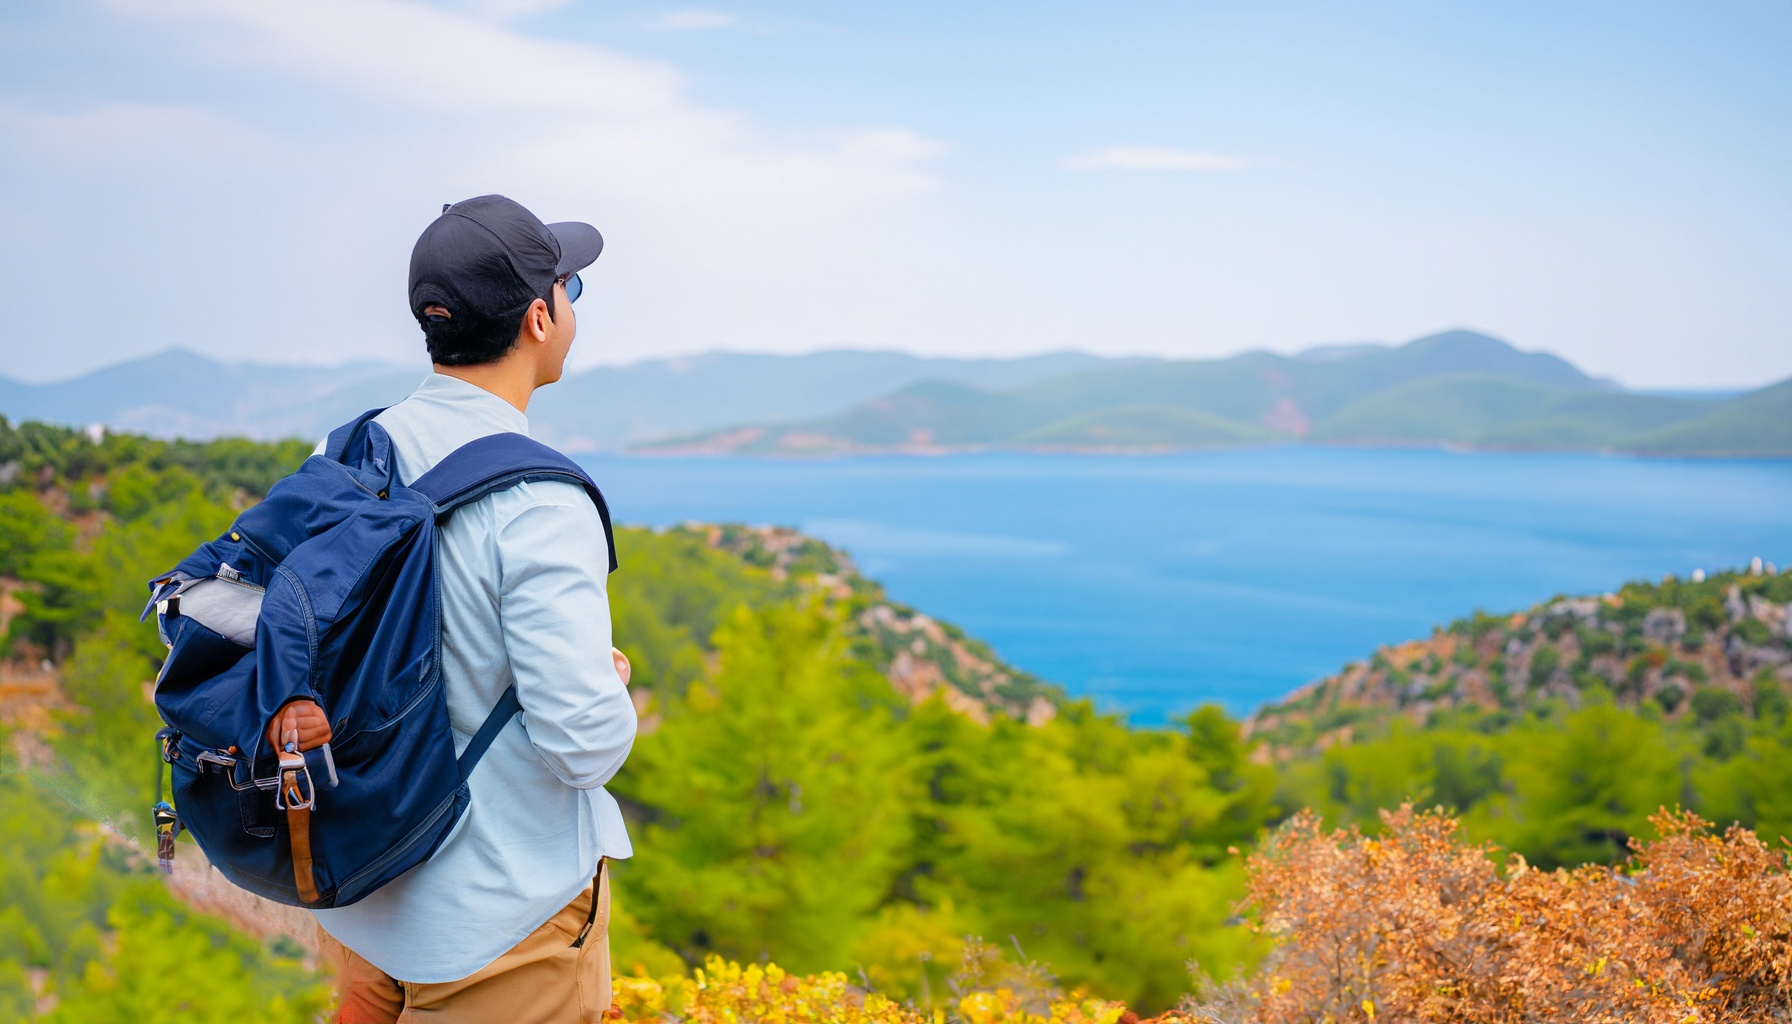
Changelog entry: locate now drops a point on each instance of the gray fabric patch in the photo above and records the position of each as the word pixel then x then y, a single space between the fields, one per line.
pixel 225 607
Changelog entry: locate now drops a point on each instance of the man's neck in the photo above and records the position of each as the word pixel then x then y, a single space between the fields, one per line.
pixel 510 378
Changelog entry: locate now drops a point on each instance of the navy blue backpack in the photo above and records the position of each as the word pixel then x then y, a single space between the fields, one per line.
pixel 327 591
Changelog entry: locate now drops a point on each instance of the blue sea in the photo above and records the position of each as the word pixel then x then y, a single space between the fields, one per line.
pixel 1155 583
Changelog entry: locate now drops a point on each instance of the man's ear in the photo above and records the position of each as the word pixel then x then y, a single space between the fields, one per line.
pixel 536 323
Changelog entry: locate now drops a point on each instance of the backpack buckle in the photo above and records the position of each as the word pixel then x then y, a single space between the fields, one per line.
pixel 214 759
pixel 295 792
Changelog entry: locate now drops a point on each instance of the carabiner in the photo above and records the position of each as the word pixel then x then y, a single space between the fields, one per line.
pixel 295 792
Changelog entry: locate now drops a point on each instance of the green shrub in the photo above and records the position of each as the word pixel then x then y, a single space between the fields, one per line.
pixel 1594 642
pixel 1754 631
pixel 1670 697
pixel 1544 664
pixel 115 947
pixel 1771 703
pixel 1711 704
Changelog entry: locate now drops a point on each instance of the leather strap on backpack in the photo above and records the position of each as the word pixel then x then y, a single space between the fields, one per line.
pixel 297 797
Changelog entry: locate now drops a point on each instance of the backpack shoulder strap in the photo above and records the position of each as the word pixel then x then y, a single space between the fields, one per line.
pixel 498 462
pixel 485 466
pixel 495 721
pixel 337 446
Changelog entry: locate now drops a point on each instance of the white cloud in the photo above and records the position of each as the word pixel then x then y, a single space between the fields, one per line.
pixel 888 145
pixel 174 135
pixel 576 114
pixel 355 120
pixel 403 53
pixel 1151 158
pixel 504 10
pixel 691 21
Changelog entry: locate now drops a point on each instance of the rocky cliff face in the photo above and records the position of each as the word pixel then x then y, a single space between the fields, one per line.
pixel 1672 648
pixel 921 655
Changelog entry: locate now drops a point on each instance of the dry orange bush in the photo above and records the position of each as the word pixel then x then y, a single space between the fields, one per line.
pixel 1416 925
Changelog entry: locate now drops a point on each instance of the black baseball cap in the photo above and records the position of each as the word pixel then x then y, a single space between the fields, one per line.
pixel 486 257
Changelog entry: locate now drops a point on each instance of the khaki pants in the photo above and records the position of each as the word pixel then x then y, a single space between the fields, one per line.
pixel 544 979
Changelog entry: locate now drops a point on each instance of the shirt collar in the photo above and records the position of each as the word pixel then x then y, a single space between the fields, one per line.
pixel 473 402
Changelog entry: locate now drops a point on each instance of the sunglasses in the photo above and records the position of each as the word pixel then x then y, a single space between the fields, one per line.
pixel 574 287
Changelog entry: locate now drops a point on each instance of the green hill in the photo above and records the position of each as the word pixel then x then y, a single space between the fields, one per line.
pixel 1594 420
pixel 1452 409
pixel 1250 397
pixel 921 416
pixel 1652 646
pixel 1286 395
pixel 1559 730
pixel 1503 412
pixel 1142 426
pixel 1458 387
pixel 1759 424
pixel 930 413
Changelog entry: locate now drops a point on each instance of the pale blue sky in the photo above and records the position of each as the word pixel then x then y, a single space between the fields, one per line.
pixel 245 177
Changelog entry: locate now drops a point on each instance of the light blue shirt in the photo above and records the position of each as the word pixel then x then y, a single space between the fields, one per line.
pixel 522 574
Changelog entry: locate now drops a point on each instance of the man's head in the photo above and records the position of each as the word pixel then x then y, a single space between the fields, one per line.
pixel 487 276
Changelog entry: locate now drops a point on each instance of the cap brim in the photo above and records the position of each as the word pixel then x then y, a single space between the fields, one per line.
pixel 580 245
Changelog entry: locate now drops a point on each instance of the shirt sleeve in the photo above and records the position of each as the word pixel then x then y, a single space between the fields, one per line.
pixel 556 617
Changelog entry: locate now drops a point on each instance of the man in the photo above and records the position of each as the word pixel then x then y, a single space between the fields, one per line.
pixel 508 920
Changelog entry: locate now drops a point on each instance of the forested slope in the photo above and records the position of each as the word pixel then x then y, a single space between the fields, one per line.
pixel 824 778
pixel 835 782
pixel 1557 731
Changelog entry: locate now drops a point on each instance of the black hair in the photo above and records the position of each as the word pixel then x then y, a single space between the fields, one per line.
pixel 468 339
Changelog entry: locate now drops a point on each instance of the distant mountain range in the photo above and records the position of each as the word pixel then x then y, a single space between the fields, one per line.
pixel 183 394
pixel 1459 388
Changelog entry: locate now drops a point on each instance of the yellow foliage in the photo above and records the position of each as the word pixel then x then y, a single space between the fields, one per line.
pixel 909 952
pixel 724 992
pixel 1004 1006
